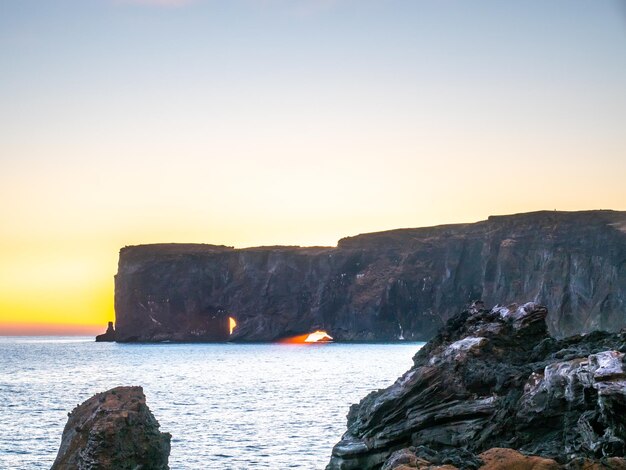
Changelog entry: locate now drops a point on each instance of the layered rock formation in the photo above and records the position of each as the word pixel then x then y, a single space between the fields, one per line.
pixel 401 284
pixel 495 379
pixel 113 430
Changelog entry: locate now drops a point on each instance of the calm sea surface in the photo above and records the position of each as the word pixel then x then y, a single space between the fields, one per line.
pixel 228 406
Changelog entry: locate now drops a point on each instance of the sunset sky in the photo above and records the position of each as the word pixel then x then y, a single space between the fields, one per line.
pixel 251 122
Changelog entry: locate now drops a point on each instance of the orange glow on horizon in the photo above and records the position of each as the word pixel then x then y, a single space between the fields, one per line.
pixel 50 329
pixel 63 293
pixel 296 156
pixel 232 324
pixel 315 337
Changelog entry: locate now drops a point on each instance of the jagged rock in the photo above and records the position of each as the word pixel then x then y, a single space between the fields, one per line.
pixel 611 463
pixel 379 286
pixel 503 459
pixel 492 459
pixel 509 459
pixel 405 459
pixel 109 335
pixel 496 379
pixel 113 430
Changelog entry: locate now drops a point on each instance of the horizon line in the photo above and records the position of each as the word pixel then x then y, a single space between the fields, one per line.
pixel 51 329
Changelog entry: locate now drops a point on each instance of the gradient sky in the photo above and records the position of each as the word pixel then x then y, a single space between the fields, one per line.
pixel 249 122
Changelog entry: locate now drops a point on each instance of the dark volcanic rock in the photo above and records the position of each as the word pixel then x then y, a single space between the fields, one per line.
pixel 108 335
pixel 113 430
pixel 491 379
pixel 380 286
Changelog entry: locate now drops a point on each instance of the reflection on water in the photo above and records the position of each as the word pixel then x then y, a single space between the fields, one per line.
pixel 231 406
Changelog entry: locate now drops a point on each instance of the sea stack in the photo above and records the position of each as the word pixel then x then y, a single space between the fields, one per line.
pixel 113 430
pixel 494 390
pixel 109 335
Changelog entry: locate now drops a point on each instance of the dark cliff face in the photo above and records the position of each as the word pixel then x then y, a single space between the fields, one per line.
pixel 381 286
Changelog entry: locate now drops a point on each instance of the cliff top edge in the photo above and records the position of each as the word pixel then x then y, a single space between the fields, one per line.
pixel 540 218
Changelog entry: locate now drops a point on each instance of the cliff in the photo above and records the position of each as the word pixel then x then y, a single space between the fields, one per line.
pixel 113 430
pixel 380 286
pixel 494 379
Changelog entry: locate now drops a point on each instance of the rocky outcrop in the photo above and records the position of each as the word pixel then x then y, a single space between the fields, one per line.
pixel 108 335
pixel 113 430
pixel 400 284
pixel 492 459
pixel 504 459
pixel 496 379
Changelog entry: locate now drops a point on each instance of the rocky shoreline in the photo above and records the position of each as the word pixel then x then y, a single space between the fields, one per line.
pixel 495 379
pixel 492 390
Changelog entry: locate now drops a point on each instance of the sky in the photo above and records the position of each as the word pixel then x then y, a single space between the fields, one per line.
pixel 293 122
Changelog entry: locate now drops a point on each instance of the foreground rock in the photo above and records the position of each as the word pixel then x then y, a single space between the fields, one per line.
pixel 108 335
pixel 496 379
pixel 380 286
pixel 113 430
pixel 493 459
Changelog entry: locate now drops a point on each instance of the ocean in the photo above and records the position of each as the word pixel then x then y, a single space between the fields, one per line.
pixel 227 406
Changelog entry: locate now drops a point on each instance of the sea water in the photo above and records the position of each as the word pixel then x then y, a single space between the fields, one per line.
pixel 227 406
